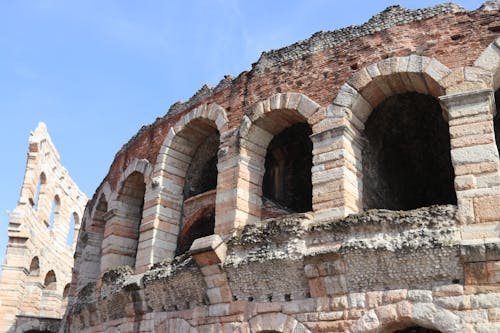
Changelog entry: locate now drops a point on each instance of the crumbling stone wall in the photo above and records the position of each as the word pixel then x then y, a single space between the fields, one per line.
pixel 429 262
pixel 39 258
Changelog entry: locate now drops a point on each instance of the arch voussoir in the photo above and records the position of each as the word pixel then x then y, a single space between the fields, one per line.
pixel 427 315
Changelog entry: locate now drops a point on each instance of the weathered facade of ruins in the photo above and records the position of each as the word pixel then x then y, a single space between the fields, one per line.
pixel 347 183
pixel 42 231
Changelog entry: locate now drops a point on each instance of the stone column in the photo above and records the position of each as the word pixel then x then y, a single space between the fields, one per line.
pixel 475 159
pixel 237 182
pixel 120 240
pixel 209 253
pixel 336 175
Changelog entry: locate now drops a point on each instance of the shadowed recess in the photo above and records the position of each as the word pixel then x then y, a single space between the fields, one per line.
pixel 287 179
pixel 406 160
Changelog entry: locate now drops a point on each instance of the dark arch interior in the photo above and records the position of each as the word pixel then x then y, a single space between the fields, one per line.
pixel 287 179
pixel 201 175
pixel 496 120
pixel 34 267
pixel 203 226
pixel 66 290
pixel 416 329
pixel 132 195
pixel 406 160
pixel 50 281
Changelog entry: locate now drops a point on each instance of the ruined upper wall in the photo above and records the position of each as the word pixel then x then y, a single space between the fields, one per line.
pixel 39 256
pixel 318 66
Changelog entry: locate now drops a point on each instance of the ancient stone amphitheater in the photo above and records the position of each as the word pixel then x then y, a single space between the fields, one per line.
pixel 349 182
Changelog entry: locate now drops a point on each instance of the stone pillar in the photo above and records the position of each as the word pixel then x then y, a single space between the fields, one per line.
pixel 337 171
pixel 475 158
pixel 209 252
pixel 120 240
pixel 237 182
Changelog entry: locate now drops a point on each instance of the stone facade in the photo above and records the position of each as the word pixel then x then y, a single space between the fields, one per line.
pixel 393 112
pixel 36 274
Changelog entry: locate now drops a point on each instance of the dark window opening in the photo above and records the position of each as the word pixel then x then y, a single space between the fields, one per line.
pixel 203 225
pixel 50 281
pixel 287 179
pixel 496 120
pixel 66 290
pixel 406 160
pixel 416 329
pixel 201 175
pixel 34 267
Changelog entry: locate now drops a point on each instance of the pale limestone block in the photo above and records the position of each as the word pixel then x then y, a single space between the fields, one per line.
pixel 436 70
pixel 360 79
pixel 368 323
pixel 486 208
pixel 307 107
pixel 292 101
pixel 490 58
pixel 475 154
pixel 465 182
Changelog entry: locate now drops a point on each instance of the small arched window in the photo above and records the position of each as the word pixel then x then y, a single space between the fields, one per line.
pixel 74 226
pixel 50 281
pixel 54 212
pixel 34 267
pixel 66 290
pixel 42 180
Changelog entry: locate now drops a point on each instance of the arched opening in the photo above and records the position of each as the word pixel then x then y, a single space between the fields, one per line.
pixel 50 281
pixel 89 248
pixel 416 329
pixel 496 120
pixel 66 290
pixel 199 143
pixel 54 212
pixel 406 159
pixel 131 198
pixel 201 175
pixel 74 225
pixel 287 183
pixel 42 180
pixel 34 267
pixel 202 224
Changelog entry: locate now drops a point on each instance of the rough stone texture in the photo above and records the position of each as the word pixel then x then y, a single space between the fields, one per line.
pixel 36 273
pixel 337 267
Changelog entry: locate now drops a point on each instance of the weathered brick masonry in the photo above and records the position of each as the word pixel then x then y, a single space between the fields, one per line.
pixel 397 226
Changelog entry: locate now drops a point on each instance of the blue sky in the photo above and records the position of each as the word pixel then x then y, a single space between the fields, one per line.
pixel 96 71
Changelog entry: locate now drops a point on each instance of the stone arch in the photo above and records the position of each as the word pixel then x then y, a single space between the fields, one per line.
pixel 87 264
pixel 50 281
pixel 122 231
pixel 274 322
pixel 379 86
pixel 174 325
pixel 265 121
pixel 177 155
pixel 34 269
pixel 489 60
pixel 405 314
pixel 371 85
